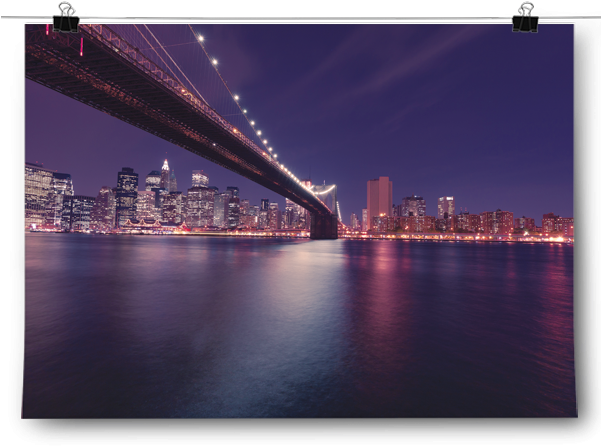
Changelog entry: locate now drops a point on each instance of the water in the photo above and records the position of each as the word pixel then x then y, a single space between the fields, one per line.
pixel 150 326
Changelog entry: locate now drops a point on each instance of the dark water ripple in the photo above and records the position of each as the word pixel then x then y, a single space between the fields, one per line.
pixel 142 326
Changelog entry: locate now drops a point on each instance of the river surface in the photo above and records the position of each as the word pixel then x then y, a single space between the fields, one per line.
pixel 167 326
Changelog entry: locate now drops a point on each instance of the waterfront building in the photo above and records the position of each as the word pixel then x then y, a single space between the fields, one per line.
pixel 172 208
pixel 153 180
pixel 364 218
pixel 164 184
pixel 253 213
pixel 446 207
pixel 199 178
pixel 38 186
pixel 566 226
pixel 421 223
pixel 221 210
pixel 172 181
pixel 379 199
pixel 275 216
pixel 497 222
pixel 102 217
pixel 126 196
pixel 525 224
pixel 145 207
pixel 466 222
pixel 207 206
pixel 193 205
pixel 77 212
pixel 413 206
pixel 233 215
pixel 354 222
pixel 61 186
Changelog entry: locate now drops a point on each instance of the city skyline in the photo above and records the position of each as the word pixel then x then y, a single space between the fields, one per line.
pixel 527 165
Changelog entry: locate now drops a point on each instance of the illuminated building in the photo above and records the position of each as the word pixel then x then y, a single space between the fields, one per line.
pixel 61 186
pixel 290 215
pixel 159 197
pixel 413 206
pixel 497 222
pixel 146 204
pixel 364 217
pixel 233 215
pixel 102 217
pixel 172 182
pixel 379 199
pixel 244 213
pixel 221 210
pixel 77 210
pixel 421 223
pixel 207 206
pixel 233 191
pixel 164 184
pixel 172 208
pixel 153 180
pixel 466 222
pixel 354 221
pixel 126 196
pixel 525 224
pixel 264 214
pixel 566 226
pixel 446 207
pixel 199 178
pixel 253 214
pixel 275 216
pixel 38 185
pixel 193 207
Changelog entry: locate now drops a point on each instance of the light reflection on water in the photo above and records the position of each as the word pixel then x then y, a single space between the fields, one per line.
pixel 141 326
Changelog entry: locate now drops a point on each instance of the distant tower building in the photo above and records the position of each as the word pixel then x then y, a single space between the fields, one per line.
pixel 354 221
pixel 61 186
pixel 126 196
pixel 497 222
pixel 172 182
pixel 253 213
pixel 364 218
pixel 77 210
pixel 446 207
pixel 413 206
pixel 199 178
pixel 164 184
pixel 207 206
pixel 221 208
pixel 38 188
pixel 275 216
pixel 379 199
pixel 172 208
pixel 146 205
pixel 153 180
pixel 264 214
pixel 193 205
pixel 233 191
pixel 244 212
pixel 102 217
pixel 233 215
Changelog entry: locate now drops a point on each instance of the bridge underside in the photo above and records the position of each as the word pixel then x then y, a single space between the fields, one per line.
pixel 105 79
pixel 324 227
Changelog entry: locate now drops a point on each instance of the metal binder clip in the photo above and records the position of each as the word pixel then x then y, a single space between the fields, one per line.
pixel 66 23
pixel 525 23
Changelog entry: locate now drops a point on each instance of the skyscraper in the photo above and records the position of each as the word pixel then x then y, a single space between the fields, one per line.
pixel 413 206
pixel 379 199
pixel 354 221
pixel 102 217
pixel 77 210
pixel 233 191
pixel 126 195
pixel 172 208
pixel 38 185
pixel 199 178
pixel 364 219
pixel 145 206
pixel 61 186
pixel 193 205
pixel 233 215
pixel 153 180
pixel 172 182
pixel 275 216
pixel 446 207
pixel 164 184
pixel 222 202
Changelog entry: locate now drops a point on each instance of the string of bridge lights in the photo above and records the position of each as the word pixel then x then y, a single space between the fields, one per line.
pixel 214 63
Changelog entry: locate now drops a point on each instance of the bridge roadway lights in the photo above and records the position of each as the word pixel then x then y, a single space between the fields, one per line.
pixel 324 227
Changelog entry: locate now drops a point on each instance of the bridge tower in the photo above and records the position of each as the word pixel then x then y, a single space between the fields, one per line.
pixel 325 226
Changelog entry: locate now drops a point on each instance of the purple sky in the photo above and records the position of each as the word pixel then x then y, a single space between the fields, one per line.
pixel 473 111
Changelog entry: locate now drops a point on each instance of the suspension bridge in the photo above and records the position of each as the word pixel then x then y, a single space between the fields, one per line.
pixel 127 72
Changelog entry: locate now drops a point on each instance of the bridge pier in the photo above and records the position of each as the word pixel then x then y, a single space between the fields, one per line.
pixel 324 227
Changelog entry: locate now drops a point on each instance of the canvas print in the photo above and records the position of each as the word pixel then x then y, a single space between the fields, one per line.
pixel 298 221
